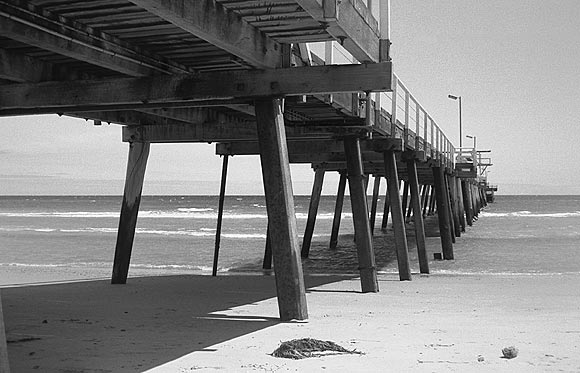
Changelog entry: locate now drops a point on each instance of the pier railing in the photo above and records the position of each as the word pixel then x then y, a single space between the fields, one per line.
pixel 395 114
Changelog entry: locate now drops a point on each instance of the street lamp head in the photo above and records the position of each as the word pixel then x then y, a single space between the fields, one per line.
pixel 453 97
pixel 469 136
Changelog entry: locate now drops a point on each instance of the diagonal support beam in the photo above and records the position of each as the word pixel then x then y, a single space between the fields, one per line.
pixel 209 20
pixel 59 97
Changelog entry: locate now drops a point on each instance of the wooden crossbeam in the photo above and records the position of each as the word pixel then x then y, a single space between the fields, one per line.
pixel 22 21
pixel 190 132
pixel 59 97
pixel 353 25
pixel 207 130
pixel 210 21
pixel 331 148
pixel 20 68
pixel 129 117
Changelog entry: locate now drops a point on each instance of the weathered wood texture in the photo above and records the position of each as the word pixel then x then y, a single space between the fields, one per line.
pixel 418 216
pixel 59 97
pixel 397 216
pixel 374 202
pixel 442 200
pixel 280 207
pixel 460 206
pixel 312 212
pixel 267 262
pixel 449 207
pixel 338 211
pixel 218 231
pixel 360 215
pixel 454 205
pixel 466 189
pixel 353 24
pixel 386 208
pixel 136 164
pixel 226 31
pixel 4 364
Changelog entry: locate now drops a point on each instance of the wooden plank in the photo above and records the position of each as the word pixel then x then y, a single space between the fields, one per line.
pixel 442 201
pixel 360 215
pixel 221 27
pixel 218 231
pixel 418 216
pixel 4 364
pixel 138 154
pixel 21 21
pixel 338 211
pixel 280 207
pixel 355 27
pixel 397 216
pixel 59 97
pixel 312 211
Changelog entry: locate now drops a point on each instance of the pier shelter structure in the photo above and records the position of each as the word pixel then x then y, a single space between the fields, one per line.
pixel 307 81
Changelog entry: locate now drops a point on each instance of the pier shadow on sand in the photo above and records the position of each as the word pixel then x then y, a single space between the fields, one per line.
pixel 93 326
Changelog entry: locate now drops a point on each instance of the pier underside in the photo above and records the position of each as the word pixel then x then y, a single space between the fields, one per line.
pixel 243 74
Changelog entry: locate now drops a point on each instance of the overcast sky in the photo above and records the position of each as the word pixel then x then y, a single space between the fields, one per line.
pixel 515 63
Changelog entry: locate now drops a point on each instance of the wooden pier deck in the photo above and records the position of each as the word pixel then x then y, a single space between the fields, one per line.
pixel 305 81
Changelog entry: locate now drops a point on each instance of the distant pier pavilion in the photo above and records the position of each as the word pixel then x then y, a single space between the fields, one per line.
pixel 293 81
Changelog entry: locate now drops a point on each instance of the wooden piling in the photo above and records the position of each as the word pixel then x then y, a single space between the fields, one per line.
pixel 405 197
pixel 432 201
pixel 338 211
pixel 136 164
pixel 312 211
pixel 460 206
pixel 218 231
pixel 4 364
pixel 397 216
pixel 418 216
pixel 360 215
pixel 466 190
pixel 280 207
pixel 442 201
pixel 454 205
pixel 375 202
pixel 425 199
pixel 450 207
pixel 386 208
pixel 267 262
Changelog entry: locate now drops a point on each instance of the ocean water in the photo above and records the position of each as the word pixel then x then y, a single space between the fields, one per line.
pixel 519 235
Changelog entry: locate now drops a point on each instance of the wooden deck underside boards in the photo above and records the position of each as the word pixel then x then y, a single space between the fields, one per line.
pixel 238 73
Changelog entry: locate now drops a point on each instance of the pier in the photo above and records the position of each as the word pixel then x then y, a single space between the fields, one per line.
pixel 293 81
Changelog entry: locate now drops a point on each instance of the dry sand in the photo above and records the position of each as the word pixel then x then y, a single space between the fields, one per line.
pixel 193 323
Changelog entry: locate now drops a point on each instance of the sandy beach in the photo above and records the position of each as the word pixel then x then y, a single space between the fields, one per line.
pixel 435 323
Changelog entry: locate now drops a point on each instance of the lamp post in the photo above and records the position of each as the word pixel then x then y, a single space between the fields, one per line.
pixel 474 140
pixel 460 134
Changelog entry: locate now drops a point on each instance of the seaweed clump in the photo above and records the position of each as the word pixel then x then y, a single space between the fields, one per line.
pixel 308 347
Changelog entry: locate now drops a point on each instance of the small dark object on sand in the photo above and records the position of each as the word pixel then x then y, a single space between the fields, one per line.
pixel 308 347
pixel 509 352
